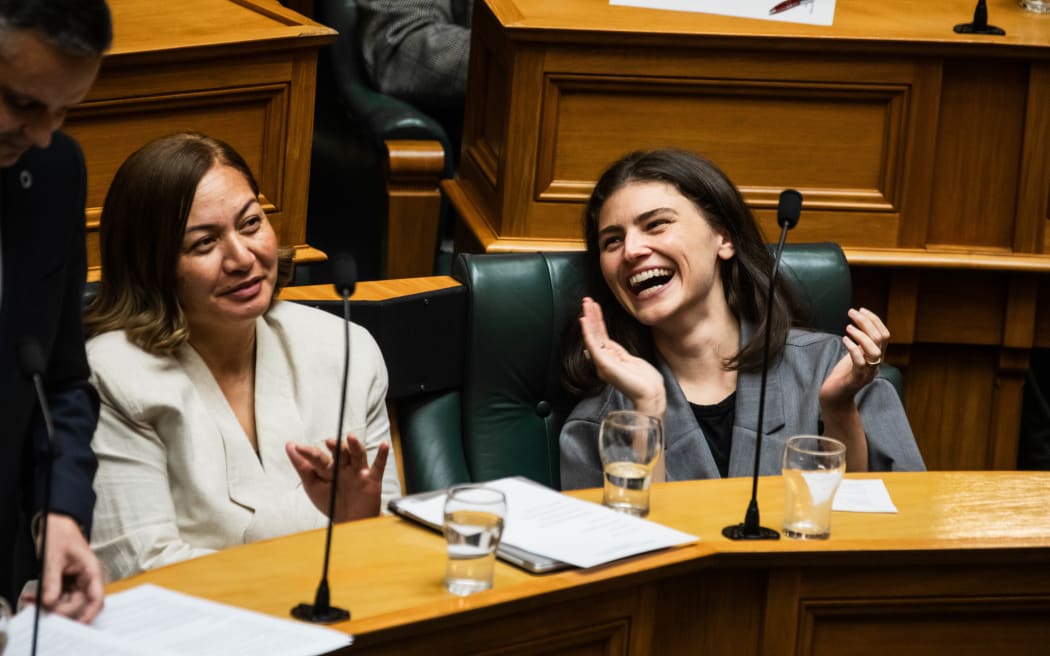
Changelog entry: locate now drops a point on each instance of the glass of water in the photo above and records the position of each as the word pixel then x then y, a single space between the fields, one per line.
pixel 630 444
pixel 474 518
pixel 1037 6
pixel 813 469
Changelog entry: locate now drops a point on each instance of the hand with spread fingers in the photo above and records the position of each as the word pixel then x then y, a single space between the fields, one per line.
pixel 636 378
pixel 360 485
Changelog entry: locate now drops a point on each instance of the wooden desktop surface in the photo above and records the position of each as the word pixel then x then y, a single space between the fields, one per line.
pixel 860 20
pixel 963 541
pixel 371 290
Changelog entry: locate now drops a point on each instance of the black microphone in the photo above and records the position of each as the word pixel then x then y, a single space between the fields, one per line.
pixel 979 25
pixel 344 277
pixel 788 210
pixel 31 359
pixel 344 274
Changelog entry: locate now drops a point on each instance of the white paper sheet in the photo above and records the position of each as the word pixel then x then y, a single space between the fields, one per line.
pixel 558 526
pixel 863 495
pixel 817 12
pixel 152 620
pixel 58 636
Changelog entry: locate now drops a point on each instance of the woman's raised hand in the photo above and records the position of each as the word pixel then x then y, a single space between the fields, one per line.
pixel 360 485
pixel 865 341
pixel 636 378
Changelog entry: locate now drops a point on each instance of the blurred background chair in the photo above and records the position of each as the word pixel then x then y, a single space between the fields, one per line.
pixel 375 167
pixel 474 369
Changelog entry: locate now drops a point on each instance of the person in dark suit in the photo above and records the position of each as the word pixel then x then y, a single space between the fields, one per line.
pixel 50 52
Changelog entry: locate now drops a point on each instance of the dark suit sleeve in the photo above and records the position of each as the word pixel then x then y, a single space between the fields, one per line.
pixel 73 401
pixel 417 50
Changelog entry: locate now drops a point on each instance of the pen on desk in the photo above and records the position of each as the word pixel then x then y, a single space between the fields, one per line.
pixel 787 4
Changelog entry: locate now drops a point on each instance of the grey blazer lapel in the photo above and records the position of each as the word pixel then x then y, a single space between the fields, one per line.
pixel 745 424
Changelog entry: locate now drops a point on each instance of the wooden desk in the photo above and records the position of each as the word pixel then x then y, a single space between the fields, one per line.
pixel 964 568
pixel 240 70
pixel 924 153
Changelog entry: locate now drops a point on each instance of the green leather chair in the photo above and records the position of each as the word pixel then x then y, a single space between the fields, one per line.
pixel 504 416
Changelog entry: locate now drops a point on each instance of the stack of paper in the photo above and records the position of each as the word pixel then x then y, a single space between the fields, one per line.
pixel 545 522
pixel 152 620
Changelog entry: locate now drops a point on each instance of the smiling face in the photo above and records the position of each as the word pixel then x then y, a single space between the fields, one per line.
pixel 38 84
pixel 659 256
pixel 227 266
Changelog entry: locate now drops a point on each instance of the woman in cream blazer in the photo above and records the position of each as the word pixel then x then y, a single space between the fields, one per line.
pixel 216 400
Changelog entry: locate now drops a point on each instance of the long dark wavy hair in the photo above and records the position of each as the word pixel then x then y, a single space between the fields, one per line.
pixel 745 276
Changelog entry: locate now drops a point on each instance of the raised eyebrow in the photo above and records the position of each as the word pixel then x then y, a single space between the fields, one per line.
pixel 247 204
pixel 648 214
pixel 641 218
pixel 212 226
pixel 204 227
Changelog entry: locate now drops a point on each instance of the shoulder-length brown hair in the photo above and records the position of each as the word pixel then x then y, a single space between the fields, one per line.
pixel 745 276
pixel 140 236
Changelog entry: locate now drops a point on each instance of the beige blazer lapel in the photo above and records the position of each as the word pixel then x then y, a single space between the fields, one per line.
pixel 259 482
pixel 277 416
pixel 281 501
pixel 241 466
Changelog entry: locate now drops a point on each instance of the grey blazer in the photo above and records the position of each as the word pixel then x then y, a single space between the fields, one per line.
pixel 792 408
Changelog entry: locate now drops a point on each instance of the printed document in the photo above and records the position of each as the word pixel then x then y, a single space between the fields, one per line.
pixel 815 12
pixel 863 495
pixel 152 620
pixel 549 523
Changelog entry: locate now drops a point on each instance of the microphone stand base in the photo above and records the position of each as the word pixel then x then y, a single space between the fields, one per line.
pixel 745 532
pixel 974 28
pixel 325 615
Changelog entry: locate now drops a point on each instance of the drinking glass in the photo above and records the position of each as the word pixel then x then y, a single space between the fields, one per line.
pixel 813 469
pixel 1036 6
pixel 630 443
pixel 474 517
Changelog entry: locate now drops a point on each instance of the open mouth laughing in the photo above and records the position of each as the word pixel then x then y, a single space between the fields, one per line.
pixel 649 280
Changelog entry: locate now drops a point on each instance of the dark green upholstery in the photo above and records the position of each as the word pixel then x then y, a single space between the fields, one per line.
pixel 505 417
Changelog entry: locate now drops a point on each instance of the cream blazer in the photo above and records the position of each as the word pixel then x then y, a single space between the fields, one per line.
pixel 177 475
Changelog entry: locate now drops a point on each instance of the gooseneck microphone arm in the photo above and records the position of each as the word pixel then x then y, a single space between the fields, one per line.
pixel 788 210
pixel 31 359
pixel 344 276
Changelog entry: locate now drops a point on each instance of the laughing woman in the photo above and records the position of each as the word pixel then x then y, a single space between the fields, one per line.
pixel 678 275
pixel 216 398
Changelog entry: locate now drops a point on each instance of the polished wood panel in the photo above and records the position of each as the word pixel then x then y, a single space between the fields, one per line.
pixel 414 170
pixel 924 153
pixel 966 558
pixel 240 70
pixel 371 290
